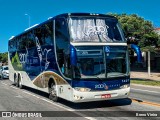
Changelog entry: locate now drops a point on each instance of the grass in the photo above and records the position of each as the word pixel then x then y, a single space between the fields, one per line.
pixel 146 82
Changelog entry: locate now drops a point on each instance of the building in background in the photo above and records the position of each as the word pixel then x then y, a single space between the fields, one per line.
pixel 157 30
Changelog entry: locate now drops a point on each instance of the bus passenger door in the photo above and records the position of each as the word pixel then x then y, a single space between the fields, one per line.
pixel 63 54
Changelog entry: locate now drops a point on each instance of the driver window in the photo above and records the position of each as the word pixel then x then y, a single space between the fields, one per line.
pixel 87 66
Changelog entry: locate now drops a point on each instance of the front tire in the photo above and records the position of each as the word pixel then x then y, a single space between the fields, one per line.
pixel 53 92
pixel 0 77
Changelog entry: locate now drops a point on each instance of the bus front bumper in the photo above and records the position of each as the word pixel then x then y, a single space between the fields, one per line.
pixel 100 95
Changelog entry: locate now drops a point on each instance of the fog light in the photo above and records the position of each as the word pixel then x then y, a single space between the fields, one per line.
pixel 124 86
pixel 76 97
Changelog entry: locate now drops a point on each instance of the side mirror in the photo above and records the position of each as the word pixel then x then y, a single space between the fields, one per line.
pixel 129 40
pixel 132 40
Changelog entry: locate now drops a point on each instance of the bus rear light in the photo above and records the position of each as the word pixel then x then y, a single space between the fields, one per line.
pixel 80 89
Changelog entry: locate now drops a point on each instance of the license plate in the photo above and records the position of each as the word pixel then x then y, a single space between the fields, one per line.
pixel 106 96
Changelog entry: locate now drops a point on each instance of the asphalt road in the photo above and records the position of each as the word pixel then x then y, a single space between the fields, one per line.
pixel 145 93
pixel 15 99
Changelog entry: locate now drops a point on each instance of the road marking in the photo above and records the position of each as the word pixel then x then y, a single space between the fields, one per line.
pixel 31 94
pixel 51 102
pixel 145 90
pixel 146 86
pixel 19 96
pixel 68 109
pixel 14 87
pixel 4 83
pixel 145 102
pixel 151 103
pixel 9 85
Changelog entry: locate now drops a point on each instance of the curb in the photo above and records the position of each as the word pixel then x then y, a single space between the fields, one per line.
pixel 146 85
pixel 133 78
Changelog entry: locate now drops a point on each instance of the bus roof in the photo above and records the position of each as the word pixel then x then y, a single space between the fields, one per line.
pixel 63 15
pixel 84 14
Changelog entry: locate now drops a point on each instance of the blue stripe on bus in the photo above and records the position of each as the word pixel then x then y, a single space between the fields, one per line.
pixel 94 84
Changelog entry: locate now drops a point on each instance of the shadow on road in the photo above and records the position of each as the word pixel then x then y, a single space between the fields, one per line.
pixel 98 104
pixel 3 79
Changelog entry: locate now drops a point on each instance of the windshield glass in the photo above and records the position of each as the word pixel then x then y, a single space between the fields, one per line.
pixel 116 61
pixel 91 67
pixel 5 68
pixel 101 62
pixel 94 29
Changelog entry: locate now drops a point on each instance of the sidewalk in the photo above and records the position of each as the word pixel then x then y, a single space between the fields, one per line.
pixel 144 75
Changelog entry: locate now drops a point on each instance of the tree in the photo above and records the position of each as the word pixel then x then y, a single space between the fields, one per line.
pixel 4 57
pixel 158 42
pixel 143 30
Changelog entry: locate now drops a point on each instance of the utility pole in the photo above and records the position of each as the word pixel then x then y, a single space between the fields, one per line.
pixel 149 65
pixel 29 19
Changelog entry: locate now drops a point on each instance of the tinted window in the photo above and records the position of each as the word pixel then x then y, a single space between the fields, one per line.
pixel 5 68
pixel 63 46
pixel 31 40
pixel 23 43
pixel 44 34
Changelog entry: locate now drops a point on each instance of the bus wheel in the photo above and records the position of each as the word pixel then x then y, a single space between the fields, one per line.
pixel 53 92
pixel 15 80
pixel 20 82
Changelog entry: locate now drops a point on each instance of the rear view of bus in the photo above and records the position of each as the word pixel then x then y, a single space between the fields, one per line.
pixel 98 58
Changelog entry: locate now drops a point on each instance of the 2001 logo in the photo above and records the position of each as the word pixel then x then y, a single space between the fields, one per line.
pixel 100 85
pixel 96 30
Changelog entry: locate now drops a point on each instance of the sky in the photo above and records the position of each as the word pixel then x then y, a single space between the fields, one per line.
pixel 14 21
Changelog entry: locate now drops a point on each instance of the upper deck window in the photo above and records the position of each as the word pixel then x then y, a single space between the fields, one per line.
pixel 91 29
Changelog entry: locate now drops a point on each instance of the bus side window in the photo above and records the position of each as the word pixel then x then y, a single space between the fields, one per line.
pixel 62 46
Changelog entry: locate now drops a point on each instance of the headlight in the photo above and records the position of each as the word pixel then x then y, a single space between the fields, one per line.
pixel 125 86
pixel 82 89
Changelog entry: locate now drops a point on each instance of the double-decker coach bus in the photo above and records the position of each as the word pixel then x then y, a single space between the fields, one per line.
pixel 77 56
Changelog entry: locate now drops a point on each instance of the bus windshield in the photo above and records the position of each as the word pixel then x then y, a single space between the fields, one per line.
pixel 102 64
pixel 5 68
pixel 95 29
pixel 91 67
pixel 116 61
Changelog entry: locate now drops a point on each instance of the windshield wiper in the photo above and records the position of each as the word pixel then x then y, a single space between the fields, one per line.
pixel 99 78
